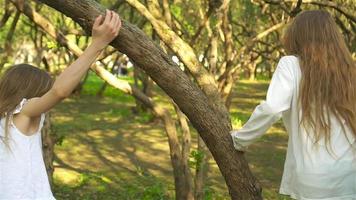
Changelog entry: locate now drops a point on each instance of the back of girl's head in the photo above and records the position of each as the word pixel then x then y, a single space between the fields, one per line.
pixel 22 81
pixel 328 84
pixel 315 32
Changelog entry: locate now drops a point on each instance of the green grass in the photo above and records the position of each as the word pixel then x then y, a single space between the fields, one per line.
pixel 107 152
pixel 92 186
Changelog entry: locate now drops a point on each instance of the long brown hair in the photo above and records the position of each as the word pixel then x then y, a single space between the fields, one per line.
pixel 328 83
pixel 19 82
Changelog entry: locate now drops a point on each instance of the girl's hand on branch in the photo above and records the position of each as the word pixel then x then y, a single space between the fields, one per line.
pixel 105 30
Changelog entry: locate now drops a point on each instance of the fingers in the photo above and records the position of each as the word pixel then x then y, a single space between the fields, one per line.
pixel 115 19
pixel 112 17
pixel 108 17
pixel 98 20
pixel 114 24
pixel 118 25
pixel 110 23
pixel 105 29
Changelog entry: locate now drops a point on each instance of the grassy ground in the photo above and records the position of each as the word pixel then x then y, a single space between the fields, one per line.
pixel 107 152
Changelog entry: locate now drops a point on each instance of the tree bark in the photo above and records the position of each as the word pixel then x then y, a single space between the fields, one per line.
pixel 182 49
pixel 48 142
pixel 186 144
pixel 10 34
pixel 158 111
pixel 185 180
pixel 212 123
pixel 201 172
pixel 7 14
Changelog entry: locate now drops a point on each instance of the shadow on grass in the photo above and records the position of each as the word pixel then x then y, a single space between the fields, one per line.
pixel 110 153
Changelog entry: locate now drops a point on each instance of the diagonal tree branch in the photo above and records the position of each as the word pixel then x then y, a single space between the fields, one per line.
pixel 124 86
pixel 212 123
pixel 182 49
pixel 7 14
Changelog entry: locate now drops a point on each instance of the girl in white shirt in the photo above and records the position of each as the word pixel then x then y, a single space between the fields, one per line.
pixel 26 93
pixel 314 91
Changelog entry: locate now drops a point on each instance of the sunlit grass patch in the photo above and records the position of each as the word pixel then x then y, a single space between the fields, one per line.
pixel 99 187
pixel 110 152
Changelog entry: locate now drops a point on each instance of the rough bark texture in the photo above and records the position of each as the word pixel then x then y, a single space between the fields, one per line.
pixel 184 181
pixel 186 144
pixel 175 153
pixel 48 142
pixel 211 122
pixel 182 49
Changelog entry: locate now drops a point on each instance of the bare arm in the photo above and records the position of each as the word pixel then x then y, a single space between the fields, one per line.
pixel 103 33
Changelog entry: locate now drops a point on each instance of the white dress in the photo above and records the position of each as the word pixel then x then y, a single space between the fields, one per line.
pixel 310 171
pixel 23 174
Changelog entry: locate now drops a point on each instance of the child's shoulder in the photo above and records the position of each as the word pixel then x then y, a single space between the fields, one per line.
pixel 18 123
pixel 289 59
pixel 289 63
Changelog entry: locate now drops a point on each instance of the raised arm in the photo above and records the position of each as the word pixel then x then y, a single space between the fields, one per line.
pixel 103 32
pixel 279 97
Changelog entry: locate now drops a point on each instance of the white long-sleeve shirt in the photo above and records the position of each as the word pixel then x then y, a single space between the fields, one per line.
pixel 310 171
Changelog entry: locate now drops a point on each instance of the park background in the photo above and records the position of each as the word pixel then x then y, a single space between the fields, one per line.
pixel 119 135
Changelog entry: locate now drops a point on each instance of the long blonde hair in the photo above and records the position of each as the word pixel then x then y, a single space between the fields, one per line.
pixel 19 82
pixel 328 83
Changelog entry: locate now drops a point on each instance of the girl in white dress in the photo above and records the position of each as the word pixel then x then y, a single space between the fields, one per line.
pixel 26 93
pixel 314 91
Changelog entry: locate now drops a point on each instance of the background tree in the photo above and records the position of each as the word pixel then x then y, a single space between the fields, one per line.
pixel 213 43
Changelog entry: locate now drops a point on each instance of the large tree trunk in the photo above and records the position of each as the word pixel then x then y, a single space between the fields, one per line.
pixel 212 122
